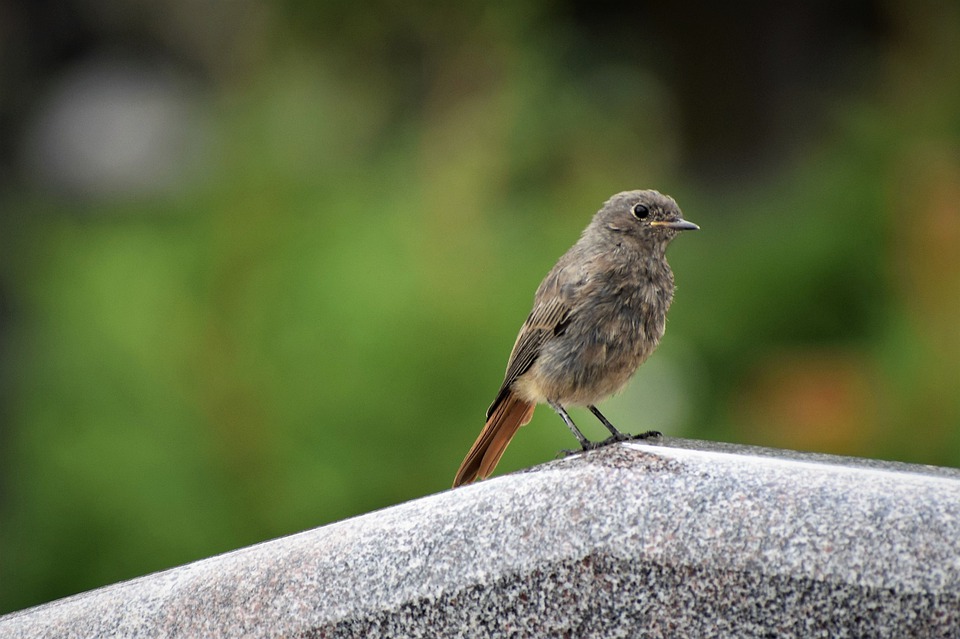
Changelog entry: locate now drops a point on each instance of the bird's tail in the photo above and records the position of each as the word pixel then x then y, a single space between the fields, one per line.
pixel 509 415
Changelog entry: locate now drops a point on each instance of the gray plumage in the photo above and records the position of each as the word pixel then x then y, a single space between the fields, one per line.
pixel 597 316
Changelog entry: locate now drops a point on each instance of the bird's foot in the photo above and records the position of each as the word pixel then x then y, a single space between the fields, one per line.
pixel 624 437
pixel 613 439
pixel 585 445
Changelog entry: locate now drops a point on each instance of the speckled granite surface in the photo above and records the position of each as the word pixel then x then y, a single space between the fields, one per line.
pixel 666 539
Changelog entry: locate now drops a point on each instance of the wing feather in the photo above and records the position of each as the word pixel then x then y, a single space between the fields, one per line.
pixel 549 316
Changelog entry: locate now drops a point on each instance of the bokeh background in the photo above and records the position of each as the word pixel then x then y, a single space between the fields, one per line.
pixel 262 263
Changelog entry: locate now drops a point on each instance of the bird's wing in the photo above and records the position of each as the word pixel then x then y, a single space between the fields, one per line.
pixel 550 315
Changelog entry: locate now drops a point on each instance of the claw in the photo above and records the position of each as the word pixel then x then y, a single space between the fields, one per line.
pixel 622 437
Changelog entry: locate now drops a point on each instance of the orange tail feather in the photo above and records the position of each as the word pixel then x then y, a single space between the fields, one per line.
pixel 504 421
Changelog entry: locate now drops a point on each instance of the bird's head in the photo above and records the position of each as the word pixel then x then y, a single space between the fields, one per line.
pixel 641 217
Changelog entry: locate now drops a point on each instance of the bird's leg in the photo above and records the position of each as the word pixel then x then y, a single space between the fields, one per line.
pixel 615 434
pixel 585 443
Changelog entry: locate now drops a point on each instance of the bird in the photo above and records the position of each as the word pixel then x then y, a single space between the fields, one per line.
pixel 597 316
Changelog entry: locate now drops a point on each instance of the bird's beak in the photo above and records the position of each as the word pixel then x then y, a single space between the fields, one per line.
pixel 679 224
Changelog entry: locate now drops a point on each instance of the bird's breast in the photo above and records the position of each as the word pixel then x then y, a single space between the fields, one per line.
pixel 612 330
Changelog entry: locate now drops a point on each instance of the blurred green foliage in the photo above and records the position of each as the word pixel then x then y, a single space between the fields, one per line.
pixel 313 327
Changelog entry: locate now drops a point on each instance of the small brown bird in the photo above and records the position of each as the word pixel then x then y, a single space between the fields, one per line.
pixel 597 315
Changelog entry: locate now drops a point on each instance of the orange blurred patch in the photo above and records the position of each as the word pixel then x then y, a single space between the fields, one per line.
pixel 821 401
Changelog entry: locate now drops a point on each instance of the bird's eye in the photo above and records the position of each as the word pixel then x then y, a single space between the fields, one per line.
pixel 640 211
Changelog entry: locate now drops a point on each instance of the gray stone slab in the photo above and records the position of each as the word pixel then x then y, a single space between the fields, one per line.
pixel 675 538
